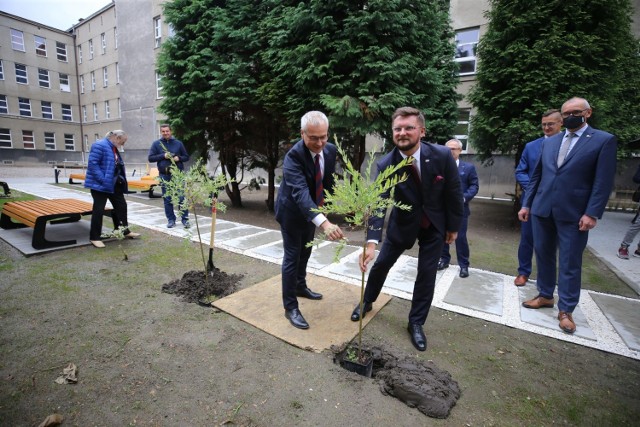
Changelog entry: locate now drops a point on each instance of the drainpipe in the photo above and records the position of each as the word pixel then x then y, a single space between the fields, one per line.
pixel 75 50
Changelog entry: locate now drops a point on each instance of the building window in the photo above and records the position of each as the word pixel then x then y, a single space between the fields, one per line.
pixel 43 78
pixel 61 51
pixel 115 37
pixel 84 114
pixel 5 138
pixel 27 140
pixel 1 70
pixel 64 83
pixel 90 49
pixel 41 45
pixel 93 80
pixel 79 54
pixel 25 107
pixel 107 110
pixel 21 74
pixel 119 110
pixel 103 43
pixel 172 31
pixel 86 143
pixel 157 30
pixel 49 141
pixel 81 84
pixel 466 44
pixel 69 144
pixel 158 86
pixel 67 114
pixel 47 111
pixel 4 107
pixel 117 73
pixel 96 137
pixel 95 112
pixel 17 40
pixel 462 129
pixel 105 77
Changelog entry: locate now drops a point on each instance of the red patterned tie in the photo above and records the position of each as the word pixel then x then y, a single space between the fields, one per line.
pixel 319 187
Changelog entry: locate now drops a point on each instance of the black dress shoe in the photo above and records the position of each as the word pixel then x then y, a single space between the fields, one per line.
pixel 418 339
pixel 442 265
pixel 464 272
pixel 355 316
pixel 296 319
pixel 308 293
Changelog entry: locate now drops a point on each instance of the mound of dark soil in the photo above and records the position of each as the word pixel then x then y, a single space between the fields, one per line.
pixel 196 286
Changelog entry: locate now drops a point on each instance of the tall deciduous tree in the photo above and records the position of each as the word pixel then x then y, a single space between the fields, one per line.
pixel 536 55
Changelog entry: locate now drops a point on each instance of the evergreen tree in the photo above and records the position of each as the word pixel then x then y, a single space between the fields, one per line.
pixel 536 55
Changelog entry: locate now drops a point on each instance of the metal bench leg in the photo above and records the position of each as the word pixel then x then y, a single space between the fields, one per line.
pixel 40 242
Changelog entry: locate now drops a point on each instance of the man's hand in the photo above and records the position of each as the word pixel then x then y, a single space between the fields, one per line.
pixel 587 223
pixel 369 254
pixel 176 158
pixel 450 237
pixel 523 214
pixel 332 231
pixel 167 155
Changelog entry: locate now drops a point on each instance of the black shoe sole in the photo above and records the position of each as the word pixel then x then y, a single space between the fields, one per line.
pixel 353 315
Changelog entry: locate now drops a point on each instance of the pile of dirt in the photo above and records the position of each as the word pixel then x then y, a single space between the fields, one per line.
pixel 196 286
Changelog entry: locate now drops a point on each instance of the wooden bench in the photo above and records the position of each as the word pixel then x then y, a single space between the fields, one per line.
pixel 37 213
pixel 146 184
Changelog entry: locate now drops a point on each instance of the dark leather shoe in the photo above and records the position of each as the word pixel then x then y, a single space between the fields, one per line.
pixel 539 302
pixel 521 280
pixel 355 316
pixel 308 293
pixel 464 272
pixel 442 265
pixel 418 339
pixel 296 319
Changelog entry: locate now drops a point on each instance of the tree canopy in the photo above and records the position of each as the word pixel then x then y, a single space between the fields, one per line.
pixel 536 55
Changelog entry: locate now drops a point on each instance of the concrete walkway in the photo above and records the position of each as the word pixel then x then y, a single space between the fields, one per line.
pixel 606 322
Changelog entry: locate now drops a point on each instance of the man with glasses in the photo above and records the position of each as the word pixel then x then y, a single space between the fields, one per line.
pixel 551 125
pixel 433 191
pixel 469 182
pixel 568 192
pixel 307 173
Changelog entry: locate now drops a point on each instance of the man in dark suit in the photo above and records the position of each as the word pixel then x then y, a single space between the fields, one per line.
pixel 306 173
pixel 551 125
pixel 568 192
pixel 469 182
pixel 433 191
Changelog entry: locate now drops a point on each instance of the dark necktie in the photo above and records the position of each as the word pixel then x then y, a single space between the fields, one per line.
pixel 424 219
pixel 564 148
pixel 319 187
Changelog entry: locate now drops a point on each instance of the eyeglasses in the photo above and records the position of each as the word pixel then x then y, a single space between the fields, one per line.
pixel 572 113
pixel 314 138
pixel 406 129
pixel 549 125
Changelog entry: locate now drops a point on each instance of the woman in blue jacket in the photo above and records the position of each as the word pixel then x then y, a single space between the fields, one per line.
pixel 107 179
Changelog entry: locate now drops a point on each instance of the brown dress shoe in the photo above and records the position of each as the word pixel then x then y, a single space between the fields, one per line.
pixel 539 302
pixel 521 280
pixel 566 322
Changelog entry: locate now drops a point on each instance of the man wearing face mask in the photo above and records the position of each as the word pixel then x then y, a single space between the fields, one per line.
pixel 566 196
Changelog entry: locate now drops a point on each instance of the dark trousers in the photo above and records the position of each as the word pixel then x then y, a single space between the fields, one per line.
pixel 462 246
pixel 564 239
pixel 525 249
pixel 430 243
pixel 118 214
pixel 295 236
pixel 168 206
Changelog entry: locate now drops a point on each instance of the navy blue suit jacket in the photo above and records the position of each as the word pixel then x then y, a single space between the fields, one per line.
pixel 581 185
pixel 440 196
pixel 527 164
pixel 296 196
pixel 469 182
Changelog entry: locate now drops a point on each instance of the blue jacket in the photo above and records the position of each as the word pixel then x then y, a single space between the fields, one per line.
pixel 528 161
pixel 160 147
pixel 101 168
pixel 469 183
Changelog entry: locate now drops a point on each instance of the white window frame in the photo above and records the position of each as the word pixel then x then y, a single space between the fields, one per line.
pixel 1 70
pixel 95 112
pixel 64 83
pixel 43 78
pixel 49 140
pixel 28 140
pixel 46 109
pixel 68 137
pixel 105 77
pixel 464 120
pixel 466 44
pixel 93 81
pixel 19 74
pixel 79 54
pixel 119 109
pixel 107 110
pixel 103 42
pixel 91 49
pixel 40 45
pixel 157 30
pixel 24 106
pixel 158 86
pixel 61 52
pixel 17 40
pixel 84 114
pixel 5 138
pixel 4 106
pixel 81 84
pixel 115 38
pixel 67 112
pixel 117 73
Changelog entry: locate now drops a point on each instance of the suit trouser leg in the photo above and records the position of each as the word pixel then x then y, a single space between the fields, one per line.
pixel 430 241
pixel 546 249
pixel 99 202
pixel 525 249
pixel 294 264
pixel 445 253
pixel 632 231
pixel 462 244
pixel 571 245
pixel 389 254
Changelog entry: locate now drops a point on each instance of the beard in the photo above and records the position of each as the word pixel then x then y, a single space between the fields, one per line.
pixel 407 144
